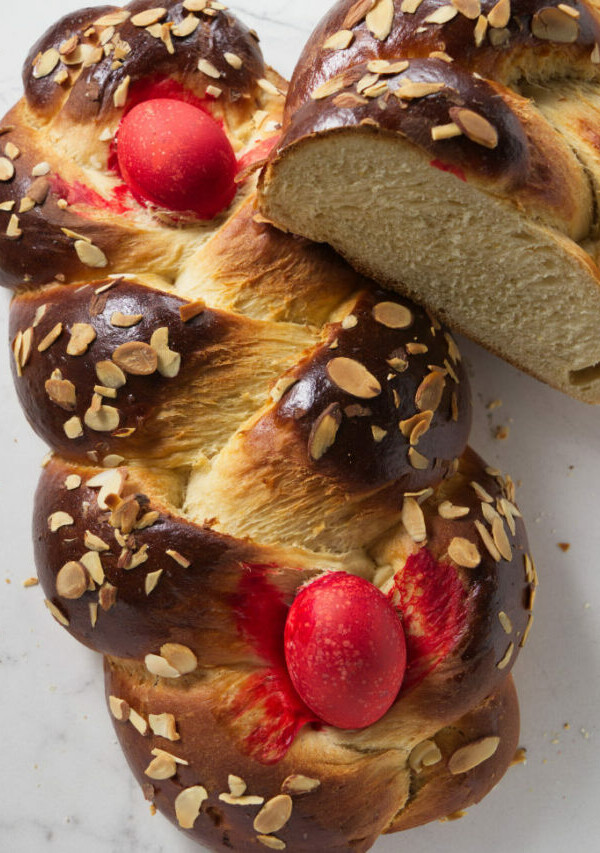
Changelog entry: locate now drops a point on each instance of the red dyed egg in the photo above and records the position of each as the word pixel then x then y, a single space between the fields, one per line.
pixel 176 156
pixel 345 650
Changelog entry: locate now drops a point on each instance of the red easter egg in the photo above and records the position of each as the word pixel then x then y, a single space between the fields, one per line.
pixel 345 650
pixel 176 156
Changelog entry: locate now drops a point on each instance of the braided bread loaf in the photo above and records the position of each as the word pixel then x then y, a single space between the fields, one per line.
pixel 467 129
pixel 234 412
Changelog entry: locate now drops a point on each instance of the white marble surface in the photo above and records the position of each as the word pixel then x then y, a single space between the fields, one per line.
pixel 65 785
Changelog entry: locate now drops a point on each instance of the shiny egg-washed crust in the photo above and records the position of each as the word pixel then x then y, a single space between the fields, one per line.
pixel 196 604
pixel 233 411
pixel 491 106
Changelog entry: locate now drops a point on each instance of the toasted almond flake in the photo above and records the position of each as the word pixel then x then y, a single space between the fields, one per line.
pixel 414 520
pixel 424 754
pixel 348 100
pixel 499 15
pixel 340 40
pixel 417 460
pixel 26 205
pixel 82 335
pixel 271 841
pixel 552 24
pixel 90 255
pixel 147 520
pixel 138 557
pixel 473 754
pixel 113 460
pixel 73 427
pixel 180 658
pixel 595 54
pixel 29 582
pixel 118 708
pixel 445 131
pixel 379 20
pixel 58 614
pixel 110 375
pixel 159 666
pixel 527 630
pixel 409 7
pixel 190 310
pixel 161 767
pixel 409 89
pixel 135 357
pixel 487 541
pixel 503 663
pixel 179 558
pixel 187 805
pixel 392 315
pixel 489 513
pixel 350 321
pixel 248 800
pixel 480 30
pixel 283 384
pixel 52 336
pixel 186 27
pixel 120 99
pixel 329 87
pixel 151 581
pixel 112 393
pixel 208 68
pixel 449 510
pixel 92 562
pixel 413 348
pixel 107 596
pixel 481 493
pixel 429 393
pixel 103 418
pixel 163 725
pixel 72 580
pixel 11 151
pixel 72 482
pixel 112 19
pixel 59 519
pixel 168 361
pixel 297 784
pixel 110 482
pixel 237 786
pixel 441 15
pixel 268 87
pixel 46 63
pixel 505 622
pixel 324 431
pixel 468 8
pixel 464 553
pixel 353 377
pixel 138 722
pixel 41 169
pixel 357 13
pixel 274 814
pixel 501 539
pixel 13 231
pixel 149 16
pixel 61 392
pixel 378 433
pixel 7 206
pixel 94 543
pixel 125 321
pixel 474 126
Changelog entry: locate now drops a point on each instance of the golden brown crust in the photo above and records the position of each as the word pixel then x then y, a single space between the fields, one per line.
pixel 239 414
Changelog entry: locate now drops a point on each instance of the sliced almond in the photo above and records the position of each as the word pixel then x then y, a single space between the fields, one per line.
pixel 179 558
pixel 464 553
pixel 237 786
pixel 72 580
pixel 151 581
pixel 46 63
pixel 92 562
pixel 409 7
pixel 13 231
pixel 417 460
pixel 59 519
pixel 424 754
pixel 94 543
pixel 414 520
pixel 473 754
pixel 112 19
pixel 429 393
pixel 73 427
pixel 135 357
pixel 161 767
pixel 103 418
pixel 82 335
pixel 380 19
pixel 499 15
pixel 139 723
pixel 468 8
pixel 157 665
pixel 449 510
pixel 7 169
pixel 186 27
pixel 487 540
pixel 340 40
pixel 163 725
pixel 248 800
pixel 119 708
pixel 72 482
pixel 274 814
pixel 297 784
pixel 149 16
pixel 90 255
pixel 445 131
pixel 50 338
pixel 110 375
pixel 475 127
pixel 324 431
pixel 168 361
pixel 501 539
pixel 180 658
pixel 505 621
pixel 209 69
pixel 553 24
pixel 58 614
pixel 441 15
pixel 125 321
pixel 392 315
pixel 272 842
pixel 353 378
pixel 187 805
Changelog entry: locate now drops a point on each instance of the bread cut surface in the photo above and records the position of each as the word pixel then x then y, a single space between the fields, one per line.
pixel 459 166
